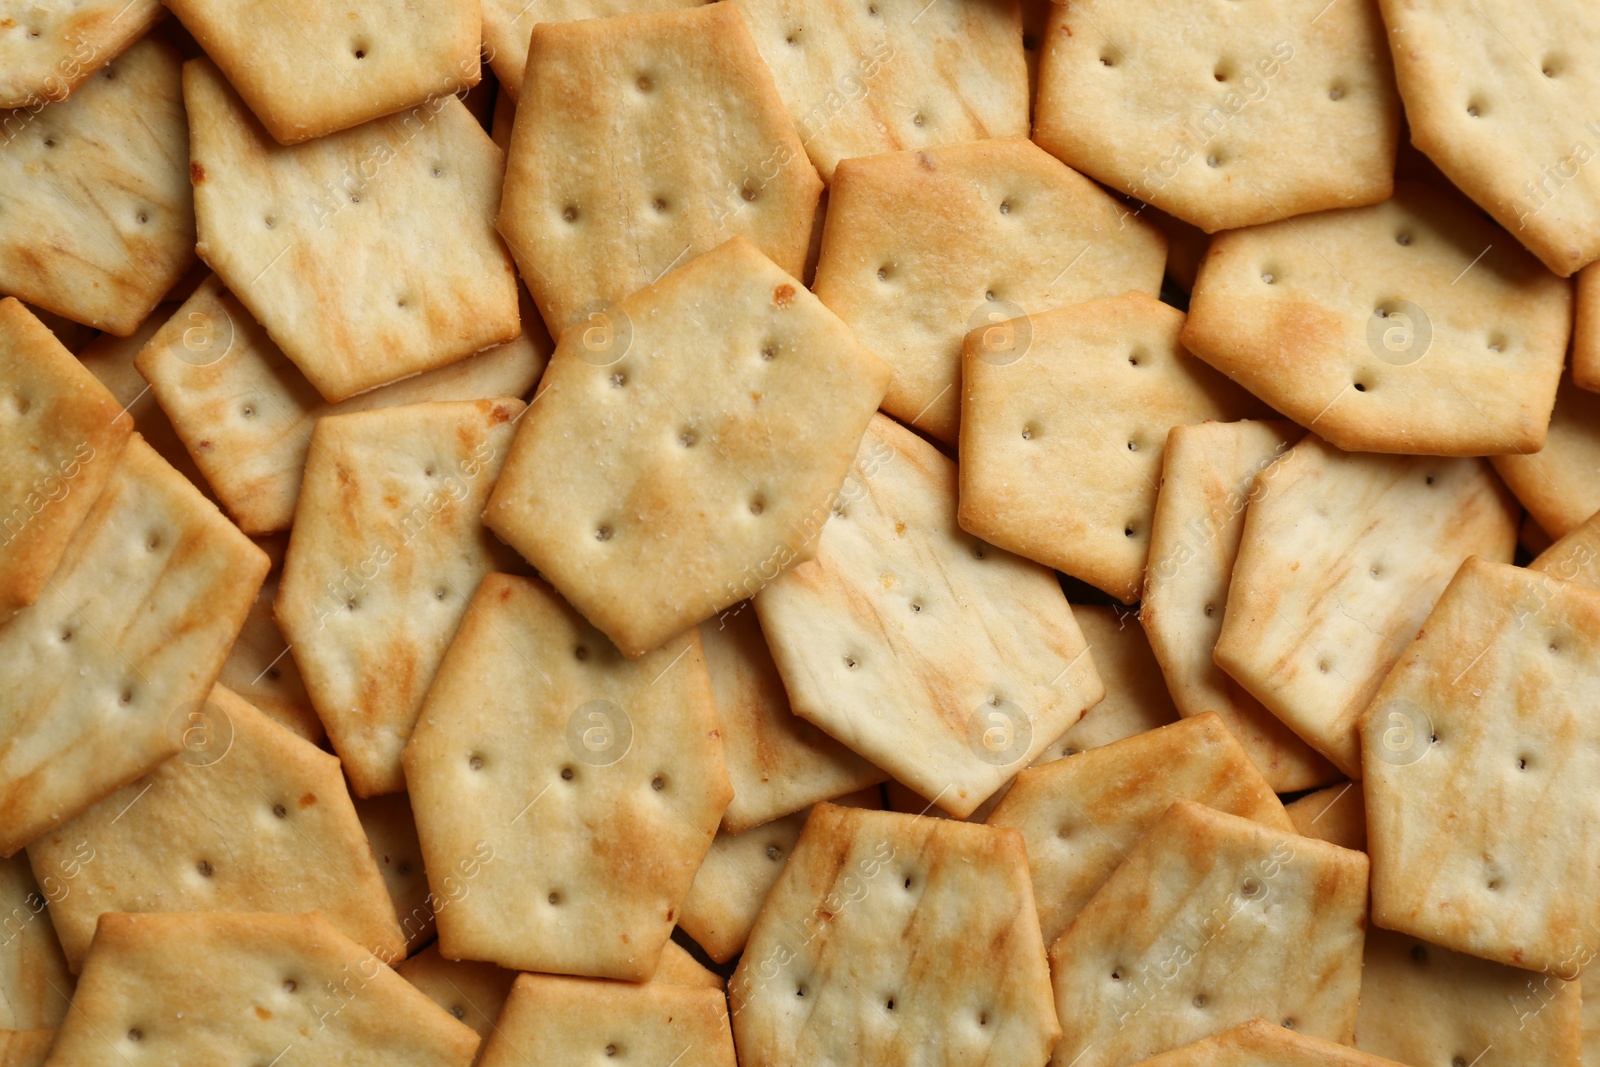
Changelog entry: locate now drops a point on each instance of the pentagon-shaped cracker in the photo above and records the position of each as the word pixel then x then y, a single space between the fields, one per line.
pixel 48 50
pixel 96 221
pixel 248 817
pixel 132 630
pixel 1586 330
pixel 1136 698
pixel 1574 558
pixel 564 794
pixel 392 832
pixel 386 555
pixel 508 26
pixel 1220 115
pixel 1425 1004
pixel 1061 442
pixel 1341 558
pixel 1210 921
pixel 308 68
pixel 35 984
pixel 1484 718
pixel 889 938
pixel 894 74
pixel 1336 814
pixel 260 667
pixel 922 247
pixel 1411 326
pixel 1560 483
pixel 1207 472
pixel 1259 1043
pixel 1080 815
pixel 63 432
pixel 369 254
pixel 222 987
pixel 1501 96
pixel 946 662
pixel 681 457
pixel 673 141
pixel 472 991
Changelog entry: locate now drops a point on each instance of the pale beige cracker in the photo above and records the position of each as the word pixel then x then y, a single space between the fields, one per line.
pixel 1576 557
pixel 1342 556
pixel 260 668
pixel 1482 721
pixel 1211 920
pixel 1591 1029
pixel 132 630
pixel 1061 447
pixel 308 69
pixel 673 141
pixel 368 255
pixel 564 794
pixel 1259 1043
pixel 685 454
pixel 64 432
pixel 1186 244
pixel 508 27
pixel 1411 326
pixel 95 217
pixel 1224 116
pixel 1501 96
pixel 922 247
pixel 1336 814
pixel 472 991
pixel 679 967
pixel 35 983
pixel 1560 483
pixel 74 336
pixel 1206 478
pixel 945 661
pixel 392 833
pixel 1586 330
pixel 894 939
pixel 223 987
pixel 48 49
pixel 25 1048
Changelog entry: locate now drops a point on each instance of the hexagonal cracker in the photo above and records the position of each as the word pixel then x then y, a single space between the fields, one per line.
pixel 1560 483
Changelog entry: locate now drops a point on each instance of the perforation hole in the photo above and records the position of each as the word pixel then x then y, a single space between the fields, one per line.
pixel 658 783
pixel 135 1034
pixel 554 898
pixel 279 811
pixel 205 868
pixel 290 985
pixel 566 774
pixel 889 1004
pixel 569 213
pixel 1116 976
pixel 1268 277
pixel 1361 387
pixel 1107 59
pixel 580 653
pixel 917 120
pixel 851 663
pixel 644 84
pixel 1402 238
pixel 774 853
pixel 688 438
pixel 458 1011
pixel 618 380
pixel 1005 207
pixel 1336 93
pixel 1475 109
pixel 602 533
pixel 359 51
pixel 143 217
pixel 475 762
pixel 1199 1000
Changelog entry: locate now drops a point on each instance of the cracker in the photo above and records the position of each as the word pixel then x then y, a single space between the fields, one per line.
pixel 895 74
pixel 221 987
pixel 1081 815
pixel 1136 698
pixel 473 992
pixel 1483 719
pixel 35 984
pixel 678 967
pixel 1425 1004
pixel 1206 478
pixel 64 431
pixel 57 47
pixel 96 221
pixel 308 69
pixel 1531 537
pixel 1574 558
pixel 668 124
pixel 946 662
pixel 922 247
pixel 260 667
pixel 562 1021
pixel 1336 814
pixel 392 832
pixel 1224 117
pixel 1061 448
pixel 564 794
pixel 387 553
pixel 686 453
pixel 1411 326
pixel 1259 1043
pixel 508 26
pixel 369 254
pixel 778 762
pixel 133 628
pixel 1210 921
pixel 25 1048
pixel 74 336
pixel 1560 484
pixel 1341 557
pixel 888 935
pixel 249 817
pixel 1586 330
pixel 1515 133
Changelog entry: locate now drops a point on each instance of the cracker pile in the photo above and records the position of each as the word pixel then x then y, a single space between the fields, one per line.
pixel 910 533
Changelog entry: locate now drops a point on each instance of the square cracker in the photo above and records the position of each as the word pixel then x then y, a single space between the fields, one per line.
pixel 1487 715
pixel 860 80
pixel 685 453
pixel 508 26
pixel 1336 814
pixel 1080 815
pixel 1560 483
pixel 1207 473
pixel 133 628
pixel 1224 116
pixel 1210 921
pixel 889 938
pixel 225 987
pixel 387 551
pixel 1500 95
pixel 392 832
pixel 246 413
pixel 1586 330
pixel 48 50
pixel 569 1022
pixel 673 140
pixel 1259 1043
pixel 308 68
pixel 1410 326
pixel 947 662
pixel 369 254
pixel 1425 1004
pixel 581 788
pixel 472 991
pixel 1576 557
pixel 96 222
pixel 35 983
pixel 64 432
pixel 1064 415
pixel 1342 556
pixel 920 248
pixel 247 817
